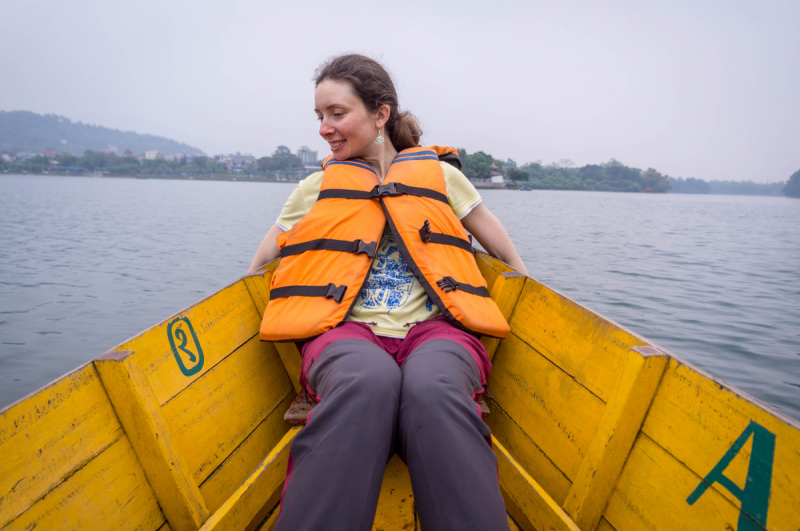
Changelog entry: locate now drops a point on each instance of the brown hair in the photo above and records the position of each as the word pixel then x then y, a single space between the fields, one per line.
pixel 373 85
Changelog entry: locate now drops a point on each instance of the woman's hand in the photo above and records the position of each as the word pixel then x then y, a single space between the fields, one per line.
pixel 491 234
pixel 268 250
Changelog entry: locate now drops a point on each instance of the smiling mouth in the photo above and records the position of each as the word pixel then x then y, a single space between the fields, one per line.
pixel 336 144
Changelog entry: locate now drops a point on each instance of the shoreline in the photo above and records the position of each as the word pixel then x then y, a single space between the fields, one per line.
pixel 295 180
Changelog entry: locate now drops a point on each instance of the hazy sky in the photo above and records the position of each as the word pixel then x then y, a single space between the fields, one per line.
pixel 707 89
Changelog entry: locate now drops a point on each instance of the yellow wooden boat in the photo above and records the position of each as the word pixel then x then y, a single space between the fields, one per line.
pixel 594 428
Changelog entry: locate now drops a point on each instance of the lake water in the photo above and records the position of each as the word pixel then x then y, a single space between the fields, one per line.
pixel 86 263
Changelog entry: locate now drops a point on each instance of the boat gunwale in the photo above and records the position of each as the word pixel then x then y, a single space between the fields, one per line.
pixel 795 423
pixel 681 361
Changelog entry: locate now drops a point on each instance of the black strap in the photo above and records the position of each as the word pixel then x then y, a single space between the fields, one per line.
pixel 326 244
pixel 452 159
pixel 448 284
pixel 444 239
pixel 343 193
pixel 382 190
pixel 330 291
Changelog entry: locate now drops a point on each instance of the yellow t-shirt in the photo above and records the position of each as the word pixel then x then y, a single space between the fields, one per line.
pixel 392 299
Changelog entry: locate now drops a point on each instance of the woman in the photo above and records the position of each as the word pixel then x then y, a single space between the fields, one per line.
pixel 376 268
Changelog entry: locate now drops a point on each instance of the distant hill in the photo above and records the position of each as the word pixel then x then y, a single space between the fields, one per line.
pixel 28 131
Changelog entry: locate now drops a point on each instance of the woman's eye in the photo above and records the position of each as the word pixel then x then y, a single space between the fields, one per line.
pixel 337 114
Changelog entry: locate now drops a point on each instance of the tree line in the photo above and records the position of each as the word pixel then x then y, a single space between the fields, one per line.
pixel 112 164
pixel 792 188
pixel 699 186
pixel 612 176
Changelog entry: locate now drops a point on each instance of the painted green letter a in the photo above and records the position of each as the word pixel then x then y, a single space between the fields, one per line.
pixel 755 495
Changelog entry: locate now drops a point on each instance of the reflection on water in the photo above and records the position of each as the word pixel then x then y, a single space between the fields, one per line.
pixel 86 263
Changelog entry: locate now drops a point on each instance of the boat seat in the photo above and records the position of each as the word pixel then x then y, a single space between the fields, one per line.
pixel 297 414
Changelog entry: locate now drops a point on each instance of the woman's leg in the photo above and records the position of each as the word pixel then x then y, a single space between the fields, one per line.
pixel 445 442
pixel 337 461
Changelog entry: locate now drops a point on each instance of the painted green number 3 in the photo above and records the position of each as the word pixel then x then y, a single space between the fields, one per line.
pixel 189 355
pixel 755 494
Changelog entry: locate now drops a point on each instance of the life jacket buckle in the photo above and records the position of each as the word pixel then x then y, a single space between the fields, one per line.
pixel 335 292
pixel 388 189
pixel 425 231
pixel 447 284
pixel 368 249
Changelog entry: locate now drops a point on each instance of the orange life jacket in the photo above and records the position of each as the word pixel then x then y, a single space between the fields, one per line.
pixel 326 256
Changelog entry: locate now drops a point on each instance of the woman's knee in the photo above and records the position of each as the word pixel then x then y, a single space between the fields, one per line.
pixel 356 368
pixel 437 373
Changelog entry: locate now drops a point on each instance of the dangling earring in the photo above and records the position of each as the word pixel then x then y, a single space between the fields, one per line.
pixel 379 140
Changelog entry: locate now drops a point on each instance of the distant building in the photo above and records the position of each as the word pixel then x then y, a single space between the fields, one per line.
pixel 496 175
pixel 308 157
pixel 152 154
pixel 224 160
pixel 282 150
pixel 241 161
pixel 127 153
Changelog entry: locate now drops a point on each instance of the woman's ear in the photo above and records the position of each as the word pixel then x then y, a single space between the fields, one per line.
pixel 384 111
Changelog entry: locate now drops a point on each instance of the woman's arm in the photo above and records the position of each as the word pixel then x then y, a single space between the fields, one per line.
pixel 491 234
pixel 268 250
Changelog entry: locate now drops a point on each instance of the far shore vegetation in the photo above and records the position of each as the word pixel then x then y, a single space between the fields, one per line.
pixel 50 144
pixel 612 176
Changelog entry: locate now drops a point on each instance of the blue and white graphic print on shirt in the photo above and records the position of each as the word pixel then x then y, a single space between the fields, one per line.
pixel 390 283
pixel 390 280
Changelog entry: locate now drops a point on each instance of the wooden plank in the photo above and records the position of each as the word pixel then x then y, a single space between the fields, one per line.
pixel 258 286
pixel 202 335
pixel 138 411
pixel 556 412
pixel 220 409
pixel 534 502
pixel 47 436
pixel 585 345
pixel 515 513
pixel 270 509
pixel 612 442
pixel 604 525
pixel 109 492
pixel 512 525
pixel 698 420
pixel 505 293
pixel 490 267
pixel 240 509
pixel 227 477
pixel 651 495
pixel 272 519
pixel 395 510
pixel 292 362
pixel 528 455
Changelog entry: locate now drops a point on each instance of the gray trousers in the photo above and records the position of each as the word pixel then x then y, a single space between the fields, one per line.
pixel 370 409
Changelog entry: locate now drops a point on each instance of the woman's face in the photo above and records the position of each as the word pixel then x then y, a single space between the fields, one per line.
pixel 345 123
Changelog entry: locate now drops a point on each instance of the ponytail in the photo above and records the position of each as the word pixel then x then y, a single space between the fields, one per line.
pixel 404 131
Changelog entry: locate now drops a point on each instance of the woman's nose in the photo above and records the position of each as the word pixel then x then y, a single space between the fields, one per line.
pixel 325 129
